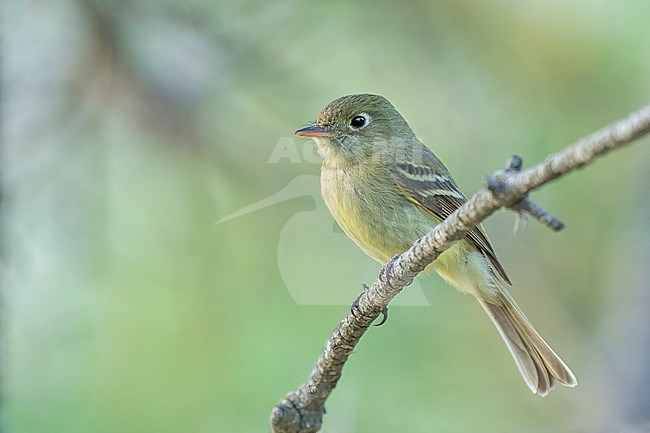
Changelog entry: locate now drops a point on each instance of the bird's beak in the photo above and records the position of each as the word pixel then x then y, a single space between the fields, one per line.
pixel 315 131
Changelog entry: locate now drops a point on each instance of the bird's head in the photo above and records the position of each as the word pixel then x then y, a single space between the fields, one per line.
pixel 355 127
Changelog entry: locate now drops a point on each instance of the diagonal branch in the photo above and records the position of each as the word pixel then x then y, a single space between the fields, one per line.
pixel 302 410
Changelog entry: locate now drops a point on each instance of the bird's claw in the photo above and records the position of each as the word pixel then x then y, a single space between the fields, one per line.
pixel 354 308
pixel 384 313
pixel 355 303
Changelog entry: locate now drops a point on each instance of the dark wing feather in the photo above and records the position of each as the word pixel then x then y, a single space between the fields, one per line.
pixel 435 191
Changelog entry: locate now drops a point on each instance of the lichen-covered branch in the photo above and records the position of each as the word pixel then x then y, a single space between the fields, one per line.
pixel 302 410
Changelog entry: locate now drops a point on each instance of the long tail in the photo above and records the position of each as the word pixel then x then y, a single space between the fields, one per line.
pixel 537 362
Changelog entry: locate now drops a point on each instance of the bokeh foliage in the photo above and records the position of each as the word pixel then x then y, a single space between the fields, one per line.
pixel 131 128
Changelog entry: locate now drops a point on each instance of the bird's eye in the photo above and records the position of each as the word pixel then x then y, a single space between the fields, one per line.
pixel 358 122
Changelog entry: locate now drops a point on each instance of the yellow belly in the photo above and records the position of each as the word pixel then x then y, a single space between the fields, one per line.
pixel 383 223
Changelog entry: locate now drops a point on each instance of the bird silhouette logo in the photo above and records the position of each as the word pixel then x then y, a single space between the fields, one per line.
pixel 311 239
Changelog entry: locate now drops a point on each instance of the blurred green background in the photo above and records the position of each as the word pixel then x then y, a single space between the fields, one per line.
pixel 131 128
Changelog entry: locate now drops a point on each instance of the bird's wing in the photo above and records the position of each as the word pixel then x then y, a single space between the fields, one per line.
pixel 435 191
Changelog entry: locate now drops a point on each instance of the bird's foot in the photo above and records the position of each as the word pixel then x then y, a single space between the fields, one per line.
pixel 355 311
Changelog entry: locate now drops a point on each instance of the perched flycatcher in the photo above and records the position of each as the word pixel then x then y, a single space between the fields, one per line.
pixel 386 189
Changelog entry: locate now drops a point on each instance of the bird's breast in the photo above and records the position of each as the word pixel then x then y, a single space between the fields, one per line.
pixel 371 211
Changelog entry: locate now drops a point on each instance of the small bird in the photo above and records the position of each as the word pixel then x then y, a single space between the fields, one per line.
pixel 386 189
